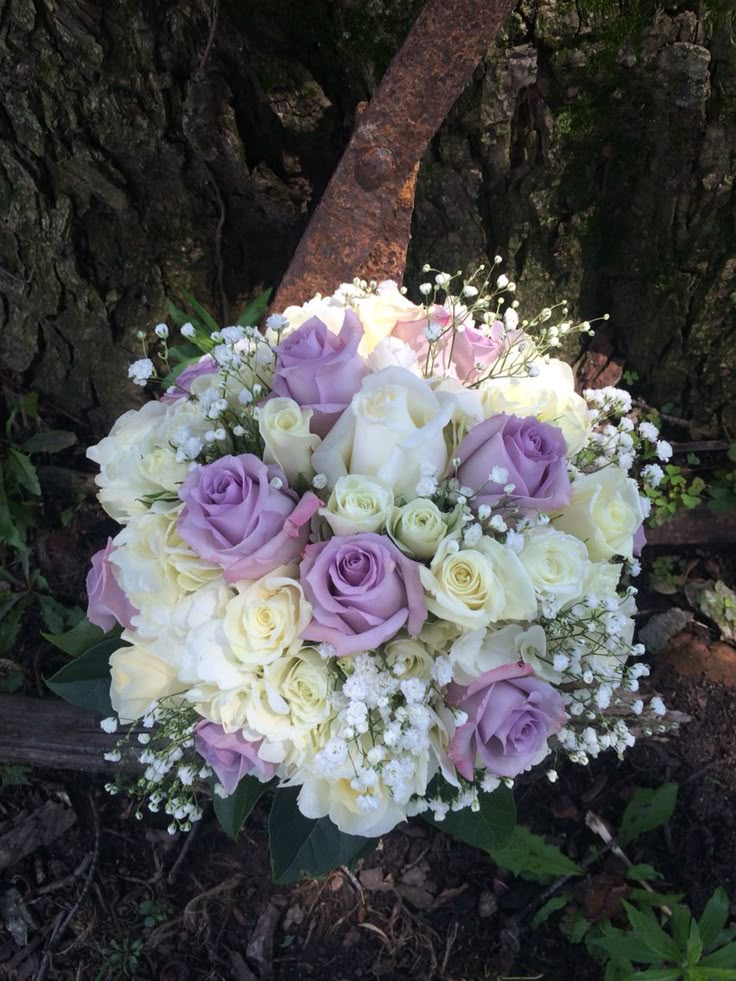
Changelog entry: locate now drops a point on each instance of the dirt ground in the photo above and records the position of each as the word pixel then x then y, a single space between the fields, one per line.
pixel 147 905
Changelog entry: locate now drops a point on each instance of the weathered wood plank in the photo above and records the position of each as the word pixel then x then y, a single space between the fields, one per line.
pixel 697 527
pixel 49 732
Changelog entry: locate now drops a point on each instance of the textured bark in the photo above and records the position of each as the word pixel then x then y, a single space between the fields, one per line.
pixel 595 151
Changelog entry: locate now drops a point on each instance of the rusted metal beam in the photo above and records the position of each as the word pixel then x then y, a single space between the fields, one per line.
pixel 361 225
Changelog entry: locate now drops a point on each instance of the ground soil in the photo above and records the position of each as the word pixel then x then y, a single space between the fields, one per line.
pixel 114 898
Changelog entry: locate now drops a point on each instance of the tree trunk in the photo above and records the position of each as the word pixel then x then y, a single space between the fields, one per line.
pixel 595 151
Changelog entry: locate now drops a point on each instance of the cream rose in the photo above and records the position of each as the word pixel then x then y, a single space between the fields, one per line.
pixel 392 429
pixel 264 620
pixel 227 708
pixel 337 799
pixel 419 526
pixel 557 565
pixel 137 459
pixel 358 504
pixel 408 657
pixel 138 679
pixel 292 697
pixel 479 651
pixel 550 396
pixel 605 513
pixel 284 428
pixel 477 586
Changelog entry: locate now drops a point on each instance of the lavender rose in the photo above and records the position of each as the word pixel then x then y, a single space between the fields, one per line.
pixel 183 384
pixel 107 603
pixel 510 717
pixel 320 370
pixel 230 755
pixel 363 590
pixel 237 519
pixel 531 453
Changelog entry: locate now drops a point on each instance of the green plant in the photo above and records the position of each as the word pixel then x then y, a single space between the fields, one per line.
pixel 121 959
pixel 14 775
pixel 665 572
pixel 22 587
pixel 154 911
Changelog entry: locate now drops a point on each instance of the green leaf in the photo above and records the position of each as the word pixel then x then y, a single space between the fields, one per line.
pixel 302 846
pixel 714 917
pixel 527 852
pixel 550 907
pixel 80 638
pixel 694 947
pixel 51 441
pixel 204 315
pixel 21 468
pixel 85 681
pixel 255 310
pixel 647 809
pixel 9 532
pixel 690 501
pixel 725 957
pixel 642 872
pixel 487 828
pixel 680 925
pixel 648 931
pixel 625 945
pixel 232 812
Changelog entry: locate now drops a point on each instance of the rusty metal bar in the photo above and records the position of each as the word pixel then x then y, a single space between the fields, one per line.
pixel 364 215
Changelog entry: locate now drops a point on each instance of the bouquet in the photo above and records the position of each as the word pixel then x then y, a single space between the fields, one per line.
pixel 376 555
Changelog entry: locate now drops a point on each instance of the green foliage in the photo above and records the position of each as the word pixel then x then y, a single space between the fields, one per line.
pixel 121 959
pixel 154 911
pixel 647 810
pixel 24 592
pixel 232 812
pixel 488 828
pixel 678 490
pixel 525 853
pixel 665 572
pixel 85 681
pixel 14 775
pixel 304 847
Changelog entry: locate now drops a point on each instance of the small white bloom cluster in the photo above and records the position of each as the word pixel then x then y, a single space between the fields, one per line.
pixel 350 537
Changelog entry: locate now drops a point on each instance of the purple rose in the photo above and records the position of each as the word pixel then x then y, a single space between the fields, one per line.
pixel 183 384
pixel 107 603
pixel 230 755
pixel 510 718
pixel 461 352
pixel 320 370
pixel 363 590
pixel 235 518
pixel 531 452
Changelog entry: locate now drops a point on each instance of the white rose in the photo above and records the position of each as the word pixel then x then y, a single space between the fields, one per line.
pixel 473 587
pixel 358 504
pixel 137 459
pixel 419 526
pixel 602 579
pixel 138 679
pixel 154 566
pixel 392 428
pixel 393 353
pixel 605 513
pixel 550 396
pixel 284 428
pixel 338 800
pixel 480 651
pixel 292 697
pixel 557 564
pixel 265 619
pixel 227 708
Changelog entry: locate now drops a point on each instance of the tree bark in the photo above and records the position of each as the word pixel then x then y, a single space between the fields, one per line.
pixel 594 150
